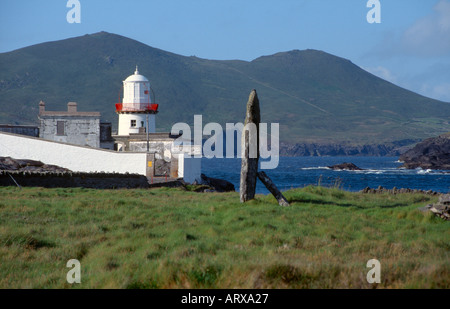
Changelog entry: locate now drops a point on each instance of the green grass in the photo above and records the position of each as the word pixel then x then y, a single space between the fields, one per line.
pixel 170 238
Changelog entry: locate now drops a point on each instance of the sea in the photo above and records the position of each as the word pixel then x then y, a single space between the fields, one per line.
pixel 298 172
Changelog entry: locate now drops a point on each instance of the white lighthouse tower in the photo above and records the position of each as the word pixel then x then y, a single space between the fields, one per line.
pixel 137 109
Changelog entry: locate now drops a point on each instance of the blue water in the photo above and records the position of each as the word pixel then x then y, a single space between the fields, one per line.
pixel 299 172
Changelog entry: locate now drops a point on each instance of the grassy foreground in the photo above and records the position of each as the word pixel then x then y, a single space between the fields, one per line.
pixel 170 238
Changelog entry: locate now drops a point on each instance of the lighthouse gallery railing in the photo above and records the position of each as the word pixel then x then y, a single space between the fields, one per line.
pixel 136 107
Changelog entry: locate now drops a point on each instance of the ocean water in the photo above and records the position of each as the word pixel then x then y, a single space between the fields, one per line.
pixel 299 172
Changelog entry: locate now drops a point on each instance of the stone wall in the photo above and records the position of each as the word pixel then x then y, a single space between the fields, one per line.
pixel 69 180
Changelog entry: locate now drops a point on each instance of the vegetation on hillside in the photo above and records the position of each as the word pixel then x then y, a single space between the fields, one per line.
pixel 170 238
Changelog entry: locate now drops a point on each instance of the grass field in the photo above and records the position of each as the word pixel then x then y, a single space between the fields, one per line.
pixel 170 238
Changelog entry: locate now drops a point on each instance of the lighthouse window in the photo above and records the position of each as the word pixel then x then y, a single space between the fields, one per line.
pixel 133 123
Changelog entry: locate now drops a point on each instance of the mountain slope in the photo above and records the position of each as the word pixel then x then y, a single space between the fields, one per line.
pixel 315 96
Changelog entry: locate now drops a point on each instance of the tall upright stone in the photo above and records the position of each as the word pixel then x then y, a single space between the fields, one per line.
pixel 250 149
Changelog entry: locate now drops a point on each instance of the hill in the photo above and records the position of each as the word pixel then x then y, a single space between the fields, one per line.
pixel 316 97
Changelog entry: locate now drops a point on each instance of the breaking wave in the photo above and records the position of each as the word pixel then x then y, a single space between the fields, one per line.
pixel 392 171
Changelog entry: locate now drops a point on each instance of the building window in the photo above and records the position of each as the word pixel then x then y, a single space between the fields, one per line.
pixel 60 128
pixel 133 123
pixel 142 124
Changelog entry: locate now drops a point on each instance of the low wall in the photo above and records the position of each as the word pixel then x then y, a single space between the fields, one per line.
pixel 72 157
pixel 70 180
pixel 21 130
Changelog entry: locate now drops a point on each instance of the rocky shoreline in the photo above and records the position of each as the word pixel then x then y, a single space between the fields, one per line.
pixel 393 149
pixel 432 153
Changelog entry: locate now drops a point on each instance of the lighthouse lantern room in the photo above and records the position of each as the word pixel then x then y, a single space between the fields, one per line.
pixel 137 109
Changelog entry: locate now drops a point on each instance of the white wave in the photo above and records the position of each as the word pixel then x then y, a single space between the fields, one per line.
pixel 316 168
pixel 386 171
pixel 422 171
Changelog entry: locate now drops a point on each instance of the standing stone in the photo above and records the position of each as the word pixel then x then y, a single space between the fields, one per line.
pixel 249 165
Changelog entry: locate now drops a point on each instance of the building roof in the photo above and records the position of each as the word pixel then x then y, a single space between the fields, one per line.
pixel 71 111
pixel 69 114
pixel 136 77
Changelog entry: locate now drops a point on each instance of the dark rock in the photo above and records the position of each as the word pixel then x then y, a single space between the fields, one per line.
pixel 441 208
pixel 432 153
pixel 219 185
pixel 203 188
pixel 26 163
pixel 22 165
pixel 444 199
pixel 7 163
pixel 345 166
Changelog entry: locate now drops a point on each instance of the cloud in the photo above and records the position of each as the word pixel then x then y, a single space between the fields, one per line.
pixel 382 72
pixel 432 82
pixel 418 57
pixel 426 37
pixel 437 91
pixel 429 36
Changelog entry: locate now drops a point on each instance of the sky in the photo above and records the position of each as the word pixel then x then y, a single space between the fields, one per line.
pixel 410 47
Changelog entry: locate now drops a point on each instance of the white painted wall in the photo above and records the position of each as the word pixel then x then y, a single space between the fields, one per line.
pixel 136 91
pixel 125 123
pixel 75 158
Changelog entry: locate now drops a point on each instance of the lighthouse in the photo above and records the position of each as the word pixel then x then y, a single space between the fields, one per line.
pixel 137 110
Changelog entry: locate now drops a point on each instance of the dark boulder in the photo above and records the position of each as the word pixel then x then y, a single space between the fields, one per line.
pixel 23 165
pixel 345 166
pixel 441 208
pixel 219 185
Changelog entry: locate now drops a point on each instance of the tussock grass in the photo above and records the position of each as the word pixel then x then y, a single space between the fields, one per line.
pixel 170 238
